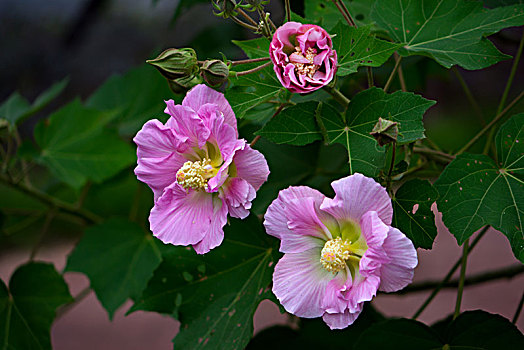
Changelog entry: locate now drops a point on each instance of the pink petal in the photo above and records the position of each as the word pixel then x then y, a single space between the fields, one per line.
pixel 238 194
pixel 334 299
pixel 158 160
pixel 299 283
pixel 276 221
pixel 215 234
pixel 356 195
pixel 373 229
pixel 363 289
pixel 303 218
pixel 251 166
pixel 399 272
pixel 341 320
pixel 188 124
pixel 181 218
pixel 202 94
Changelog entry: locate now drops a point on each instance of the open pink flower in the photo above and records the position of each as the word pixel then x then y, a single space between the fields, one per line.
pixel 338 252
pixel 198 169
pixel 303 57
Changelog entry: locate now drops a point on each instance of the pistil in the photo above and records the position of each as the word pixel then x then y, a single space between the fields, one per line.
pixel 334 254
pixel 195 175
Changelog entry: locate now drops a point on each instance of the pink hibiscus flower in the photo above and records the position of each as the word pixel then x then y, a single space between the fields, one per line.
pixel 198 169
pixel 303 57
pixel 338 252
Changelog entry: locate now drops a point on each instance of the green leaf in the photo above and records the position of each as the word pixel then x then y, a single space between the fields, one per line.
pixel 481 330
pixel 16 108
pixel 254 48
pixel 27 309
pixel 424 28
pixel 412 212
pixel 364 154
pixel 357 47
pixel 295 125
pixel 76 146
pixel 135 97
pixel 326 13
pixel 253 89
pixel 475 192
pixel 471 330
pixel 214 295
pixel 13 108
pixel 119 258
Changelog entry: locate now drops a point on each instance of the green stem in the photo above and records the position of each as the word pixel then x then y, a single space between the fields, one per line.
pixel 448 276
pixel 519 309
pixel 469 95
pixel 460 290
pixel 251 60
pixel 288 10
pixel 78 298
pixel 246 16
pixel 429 151
pixel 246 72
pixel 243 24
pixel 337 95
pixel 514 67
pixel 370 77
pixel 401 78
pixel 52 201
pixel 394 152
pixel 390 79
pixel 49 218
pixel 345 13
pixel 493 122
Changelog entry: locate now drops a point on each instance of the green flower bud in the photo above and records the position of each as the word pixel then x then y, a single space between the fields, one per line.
pixel 214 72
pixel 225 8
pixel 385 131
pixel 176 63
pixel 181 85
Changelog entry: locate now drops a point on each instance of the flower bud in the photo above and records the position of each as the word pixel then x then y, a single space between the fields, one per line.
pixel 385 131
pixel 176 63
pixel 225 8
pixel 214 72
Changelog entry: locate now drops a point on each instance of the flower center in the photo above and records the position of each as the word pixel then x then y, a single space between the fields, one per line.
pixel 195 174
pixel 299 58
pixel 335 253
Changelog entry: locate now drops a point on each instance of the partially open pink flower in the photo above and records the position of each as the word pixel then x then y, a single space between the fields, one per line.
pixel 198 169
pixel 338 252
pixel 303 57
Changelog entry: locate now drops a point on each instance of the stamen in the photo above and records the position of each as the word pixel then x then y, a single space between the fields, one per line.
pixel 195 174
pixel 308 69
pixel 334 254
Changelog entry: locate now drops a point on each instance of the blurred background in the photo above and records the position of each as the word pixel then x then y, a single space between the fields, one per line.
pixel 89 41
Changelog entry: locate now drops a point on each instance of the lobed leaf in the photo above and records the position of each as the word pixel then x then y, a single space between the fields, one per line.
pixel 119 258
pixel 27 308
pixel 452 32
pixel 214 295
pixel 357 47
pixel 326 14
pixel 475 191
pixel 76 146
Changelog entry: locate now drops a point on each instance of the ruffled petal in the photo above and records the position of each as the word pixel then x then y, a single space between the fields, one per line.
pixel 356 195
pixel 158 160
pixel 299 283
pixel 341 320
pixel 275 220
pixel 334 299
pixel 186 123
pixel 399 272
pixel 251 166
pixel 181 218
pixel 363 289
pixel 303 217
pixel 375 233
pixel 202 94
pixel 238 194
pixel 215 235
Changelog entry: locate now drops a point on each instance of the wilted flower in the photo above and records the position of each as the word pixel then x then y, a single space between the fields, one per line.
pixel 338 252
pixel 303 57
pixel 198 169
